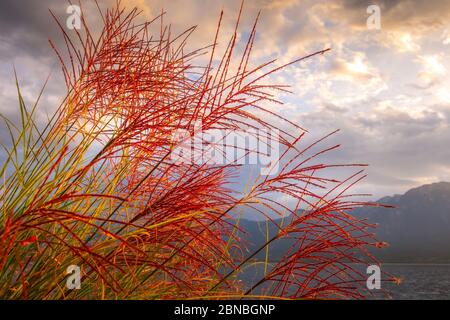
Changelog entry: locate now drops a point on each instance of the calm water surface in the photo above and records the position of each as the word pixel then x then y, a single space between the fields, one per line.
pixel 419 281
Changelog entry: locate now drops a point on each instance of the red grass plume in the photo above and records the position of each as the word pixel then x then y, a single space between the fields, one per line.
pixel 97 187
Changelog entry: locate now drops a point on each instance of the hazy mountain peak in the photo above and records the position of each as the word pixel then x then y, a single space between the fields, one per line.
pixel 417 228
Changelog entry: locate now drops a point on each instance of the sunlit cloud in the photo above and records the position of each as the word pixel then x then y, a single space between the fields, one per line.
pixel 407 42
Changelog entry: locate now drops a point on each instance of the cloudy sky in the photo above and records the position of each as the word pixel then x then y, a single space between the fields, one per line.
pixel 387 89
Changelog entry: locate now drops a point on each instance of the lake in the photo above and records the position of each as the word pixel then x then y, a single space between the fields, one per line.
pixel 419 281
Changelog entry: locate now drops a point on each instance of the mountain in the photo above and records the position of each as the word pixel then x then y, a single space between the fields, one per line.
pixel 417 228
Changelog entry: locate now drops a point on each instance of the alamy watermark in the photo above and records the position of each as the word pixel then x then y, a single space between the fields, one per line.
pixel 73 21
pixel 73 282
pixel 374 20
pixel 374 279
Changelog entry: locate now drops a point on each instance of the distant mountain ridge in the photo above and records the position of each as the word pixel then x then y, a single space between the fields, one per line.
pixel 417 229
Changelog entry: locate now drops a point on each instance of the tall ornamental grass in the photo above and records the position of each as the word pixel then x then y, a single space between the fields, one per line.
pixel 96 186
